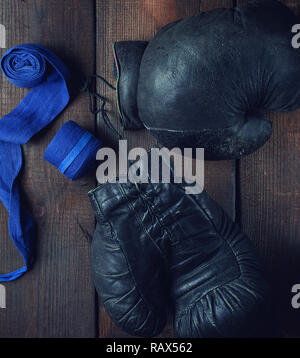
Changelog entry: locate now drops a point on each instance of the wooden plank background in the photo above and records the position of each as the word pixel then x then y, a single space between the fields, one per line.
pixel 269 188
pixel 119 20
pixel 57 298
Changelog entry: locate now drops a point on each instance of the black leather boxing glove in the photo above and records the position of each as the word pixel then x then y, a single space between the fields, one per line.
pixel 128 268
pixel 218 287
pixel 157 247
pixel 200 81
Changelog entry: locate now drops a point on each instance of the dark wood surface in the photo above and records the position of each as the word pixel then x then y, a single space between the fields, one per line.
pixel 139 20
pixel 57 298
pixel 269 209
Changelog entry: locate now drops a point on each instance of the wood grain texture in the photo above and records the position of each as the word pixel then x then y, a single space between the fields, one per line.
pixel 56 298
pixel 139 20
pixel 269 182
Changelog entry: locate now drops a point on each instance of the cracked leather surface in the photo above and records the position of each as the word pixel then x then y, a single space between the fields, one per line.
pixel 201 81
pixel 155 248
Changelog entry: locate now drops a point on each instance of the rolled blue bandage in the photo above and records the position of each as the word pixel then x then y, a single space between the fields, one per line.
pixel 72 151
pixel 34 66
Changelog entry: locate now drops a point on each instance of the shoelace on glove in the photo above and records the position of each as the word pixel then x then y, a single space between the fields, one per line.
pixel 94 97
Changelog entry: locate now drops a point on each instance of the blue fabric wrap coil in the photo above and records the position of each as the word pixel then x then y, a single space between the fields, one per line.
pixel 73 151
pixel 27 65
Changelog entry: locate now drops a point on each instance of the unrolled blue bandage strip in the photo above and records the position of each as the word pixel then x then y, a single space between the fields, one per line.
pixel 28 65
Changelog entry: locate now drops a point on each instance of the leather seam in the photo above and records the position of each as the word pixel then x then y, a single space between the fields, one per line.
pixel 161 224
pixel 103 219
pixel 122 325
pixel 177 241
pixel 221 236
pixel 225 283
pixel 142 226
pixel 192 305
pixel 119 107
pixel 140 221
pixel 238 124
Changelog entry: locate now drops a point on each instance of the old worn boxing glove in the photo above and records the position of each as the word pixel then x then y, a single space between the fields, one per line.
pixel 157 247
pixel 218 288
pixel 200 81
pixel 128 267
